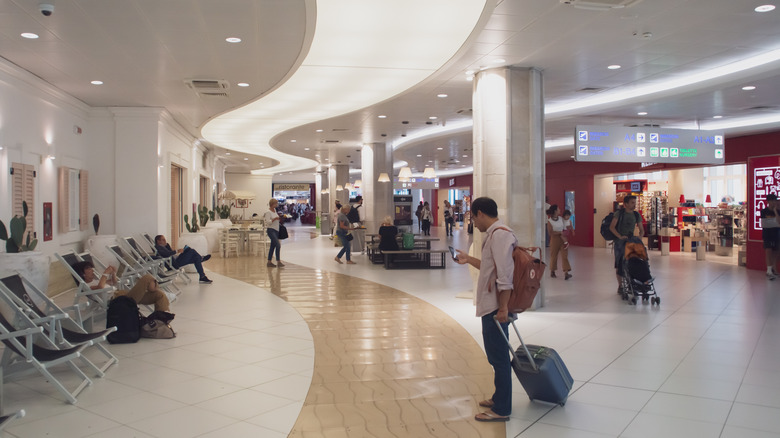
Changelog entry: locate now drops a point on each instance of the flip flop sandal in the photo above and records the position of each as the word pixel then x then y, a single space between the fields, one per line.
pixel 486 403
pixel 489 417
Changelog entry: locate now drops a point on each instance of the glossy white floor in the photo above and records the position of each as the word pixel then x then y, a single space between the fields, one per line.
pixel 704 363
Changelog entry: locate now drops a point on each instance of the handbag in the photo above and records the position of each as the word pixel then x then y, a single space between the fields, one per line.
pixel 283 232
pixel 350 237
pixel 157 326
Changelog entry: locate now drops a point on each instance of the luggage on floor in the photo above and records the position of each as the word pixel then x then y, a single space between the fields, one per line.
pixel 540 370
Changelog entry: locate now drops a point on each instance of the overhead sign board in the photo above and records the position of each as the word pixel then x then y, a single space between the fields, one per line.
pixel 648 145
pixel 416 183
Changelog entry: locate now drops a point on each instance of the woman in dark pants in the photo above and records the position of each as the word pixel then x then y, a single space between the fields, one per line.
pixel 271 220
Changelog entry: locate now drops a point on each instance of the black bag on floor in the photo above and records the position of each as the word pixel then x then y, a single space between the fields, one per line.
pixel 124 315
pixel 540 370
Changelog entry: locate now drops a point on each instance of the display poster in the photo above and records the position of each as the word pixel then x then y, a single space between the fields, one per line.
pixel 623 144
pixel 403 210
pixel 764 179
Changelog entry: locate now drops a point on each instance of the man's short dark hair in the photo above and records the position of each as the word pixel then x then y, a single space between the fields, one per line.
pixel 628 199
pixel 82 266
pixel 157 239
pixel 771 197
pixel 486 205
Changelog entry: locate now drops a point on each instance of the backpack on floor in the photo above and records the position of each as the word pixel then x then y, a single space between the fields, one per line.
pixel 124 315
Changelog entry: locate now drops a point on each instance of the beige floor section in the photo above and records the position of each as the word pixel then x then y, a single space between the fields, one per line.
pixel 386 363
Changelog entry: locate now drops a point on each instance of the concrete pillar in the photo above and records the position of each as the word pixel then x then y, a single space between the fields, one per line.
pixel 338 176
pixel 324 206
pixel 509 164
pixel 377 196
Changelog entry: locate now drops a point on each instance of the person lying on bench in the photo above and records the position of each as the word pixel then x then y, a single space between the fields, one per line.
pixel 182 257
pixel 145 291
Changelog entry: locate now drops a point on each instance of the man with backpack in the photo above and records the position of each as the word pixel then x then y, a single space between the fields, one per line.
pixel 624 221
pixel 494 286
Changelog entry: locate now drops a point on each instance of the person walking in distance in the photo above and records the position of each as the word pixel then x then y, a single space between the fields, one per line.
pixel 770 233
pixel 342 229
pixel 427 217
pixel 623 226
pixel 496 270
pixel 449 218
pixel 555 228
pixel 271 220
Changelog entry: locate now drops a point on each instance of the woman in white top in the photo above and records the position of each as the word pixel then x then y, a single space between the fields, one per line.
pixel 427 218
pixel 271 221
pixel 555 226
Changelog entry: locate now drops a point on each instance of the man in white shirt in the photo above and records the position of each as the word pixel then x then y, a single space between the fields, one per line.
pixel 496 271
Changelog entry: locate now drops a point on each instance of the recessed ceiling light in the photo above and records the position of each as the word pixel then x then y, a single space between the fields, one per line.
pixel 439 149
pixel 765 8
pixel 613 67
pixel 419 155
pixel 319 130
pixel 749 87
pixel 469 72
pixel 465 156
pixel 227 153
pixel 293 141
pixel 441 95
pixel 96 82
pixel 242 84
pixel 642 113
pixel 246 159
pixel 430 161
pixel 499 61
pixel 382 116
pixel 717 117
pixel 30 35
pixel 233 40
pixel 470 78
pixel 433 117
pixel 306 149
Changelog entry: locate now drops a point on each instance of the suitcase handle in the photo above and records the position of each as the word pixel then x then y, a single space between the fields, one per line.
pixel 512 350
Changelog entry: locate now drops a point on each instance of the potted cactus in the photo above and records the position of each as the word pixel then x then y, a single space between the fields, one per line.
pixel 20 255
pixel 195 239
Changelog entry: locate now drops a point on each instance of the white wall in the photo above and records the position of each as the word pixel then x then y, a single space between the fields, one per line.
pixel 603 197
pixel 260 185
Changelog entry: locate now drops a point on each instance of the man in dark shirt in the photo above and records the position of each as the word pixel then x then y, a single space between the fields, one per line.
pixel 623 224
pixel 182 257
pixel 771 234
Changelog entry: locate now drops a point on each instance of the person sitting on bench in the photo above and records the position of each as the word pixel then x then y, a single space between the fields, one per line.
pixel 145 291
pixel 182 257
pixel 387 235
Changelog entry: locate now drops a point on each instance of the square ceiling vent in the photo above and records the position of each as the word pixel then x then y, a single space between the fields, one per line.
pixel 600 5
pixel 209 87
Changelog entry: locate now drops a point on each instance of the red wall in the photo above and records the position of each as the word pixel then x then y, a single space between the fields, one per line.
pixel 571 175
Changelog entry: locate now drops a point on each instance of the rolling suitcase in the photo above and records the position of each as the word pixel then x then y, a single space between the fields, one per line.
pixel 540 370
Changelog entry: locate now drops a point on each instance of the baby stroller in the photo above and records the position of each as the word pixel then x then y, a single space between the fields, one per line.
pixel 637 281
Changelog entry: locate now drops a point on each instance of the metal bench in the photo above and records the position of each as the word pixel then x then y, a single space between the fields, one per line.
pixel 416 259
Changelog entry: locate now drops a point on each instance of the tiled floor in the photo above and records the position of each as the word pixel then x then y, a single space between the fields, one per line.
pixel 704 363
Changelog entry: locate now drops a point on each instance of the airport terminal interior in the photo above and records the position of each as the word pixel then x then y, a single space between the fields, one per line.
pixel 120 118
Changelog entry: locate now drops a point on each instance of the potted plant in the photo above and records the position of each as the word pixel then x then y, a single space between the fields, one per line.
pixel 223 211
pixel 20 255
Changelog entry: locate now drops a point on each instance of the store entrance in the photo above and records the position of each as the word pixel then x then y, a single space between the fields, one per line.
pixel 692 212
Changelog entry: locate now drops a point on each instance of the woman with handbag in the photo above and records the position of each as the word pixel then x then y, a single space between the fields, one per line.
pixel 271 220
pixel 342 231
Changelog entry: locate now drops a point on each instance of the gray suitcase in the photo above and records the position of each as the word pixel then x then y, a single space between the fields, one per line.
pixel 540 370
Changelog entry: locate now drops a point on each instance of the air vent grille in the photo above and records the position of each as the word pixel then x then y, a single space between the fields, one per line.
pixel 600 5
pixel 209 87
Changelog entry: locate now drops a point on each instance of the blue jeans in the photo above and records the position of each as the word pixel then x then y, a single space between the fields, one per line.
pixel 498 355
pixel 189 256
pixel 275 244
pixel 346 244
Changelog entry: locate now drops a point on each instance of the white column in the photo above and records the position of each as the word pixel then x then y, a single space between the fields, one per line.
pixel 377 196
pixel 338 176
pixel 509 164
pixel 324 207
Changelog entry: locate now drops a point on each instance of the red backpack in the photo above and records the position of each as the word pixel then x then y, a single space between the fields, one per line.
pixel 527 277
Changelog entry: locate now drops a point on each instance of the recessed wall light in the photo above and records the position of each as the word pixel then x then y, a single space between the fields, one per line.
pixel 441 95
pixel 382 116
pixel 233 40
pixel 749 87
pixel 96 82
pixel 613 67
pixel 717 117
pixel 642 113
pixel 30 35
pixel 242 84
pixel 765 8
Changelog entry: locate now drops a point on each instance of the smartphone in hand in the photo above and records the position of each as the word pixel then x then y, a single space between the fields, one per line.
pixel 454 256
